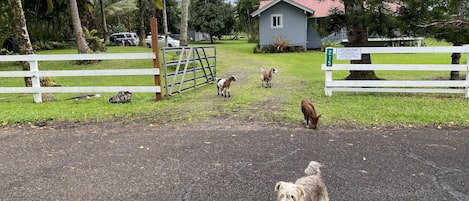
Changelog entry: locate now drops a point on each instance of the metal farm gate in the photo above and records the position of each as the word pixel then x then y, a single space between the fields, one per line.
pixel 188 67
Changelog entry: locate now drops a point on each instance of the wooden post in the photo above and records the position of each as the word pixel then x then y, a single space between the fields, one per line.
pixel 155 48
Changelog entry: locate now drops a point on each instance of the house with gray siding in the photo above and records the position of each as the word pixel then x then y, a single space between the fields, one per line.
pixel 293 20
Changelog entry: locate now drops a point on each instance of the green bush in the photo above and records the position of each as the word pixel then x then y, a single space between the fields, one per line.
pixel 50 45
pixel 94 42
pixel 274 49
pixel 330 44
pixel 4 51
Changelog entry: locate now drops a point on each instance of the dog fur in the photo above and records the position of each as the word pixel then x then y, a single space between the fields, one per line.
pixel 308 188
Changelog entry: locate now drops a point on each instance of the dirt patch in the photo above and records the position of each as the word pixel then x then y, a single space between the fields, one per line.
pixel 221 122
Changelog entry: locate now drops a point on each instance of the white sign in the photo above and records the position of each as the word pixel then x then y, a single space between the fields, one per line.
pixel 348 53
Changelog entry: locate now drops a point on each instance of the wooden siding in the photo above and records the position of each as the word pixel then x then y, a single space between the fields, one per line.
pixel 313 39
pixel 294 25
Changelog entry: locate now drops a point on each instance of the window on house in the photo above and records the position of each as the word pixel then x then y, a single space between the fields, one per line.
pixel 277 21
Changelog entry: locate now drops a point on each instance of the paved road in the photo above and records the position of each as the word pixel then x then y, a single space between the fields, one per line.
pixel 141 162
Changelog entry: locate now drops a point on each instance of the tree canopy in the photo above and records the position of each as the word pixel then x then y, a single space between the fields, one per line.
pixel 442 19
pixel 50 20
pixel 214 17
pixel 245 22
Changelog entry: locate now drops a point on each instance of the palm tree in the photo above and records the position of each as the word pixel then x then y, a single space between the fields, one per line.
pixel 103 18
pixel 246 23
pixel 122 11
pixel 77 29
pixel 21 32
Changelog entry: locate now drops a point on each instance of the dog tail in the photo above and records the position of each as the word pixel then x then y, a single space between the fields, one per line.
pixel 313 168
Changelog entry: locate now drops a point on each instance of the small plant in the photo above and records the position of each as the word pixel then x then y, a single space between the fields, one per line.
pixel 265 49
pixel 4 51
pixel 94 42
pixel 281 43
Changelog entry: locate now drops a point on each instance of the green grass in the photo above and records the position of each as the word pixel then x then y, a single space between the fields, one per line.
pixel 299 76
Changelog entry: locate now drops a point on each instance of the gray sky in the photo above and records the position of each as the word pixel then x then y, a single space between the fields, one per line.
pixel 232 1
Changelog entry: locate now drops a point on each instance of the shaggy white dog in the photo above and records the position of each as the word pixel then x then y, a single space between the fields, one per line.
pixel 308 188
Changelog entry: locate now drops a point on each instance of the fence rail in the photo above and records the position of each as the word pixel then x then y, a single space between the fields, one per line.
pixel 404 86
pixel 36 74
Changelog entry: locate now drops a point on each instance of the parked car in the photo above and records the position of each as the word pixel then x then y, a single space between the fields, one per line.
pixel 125 38
pixel 171 41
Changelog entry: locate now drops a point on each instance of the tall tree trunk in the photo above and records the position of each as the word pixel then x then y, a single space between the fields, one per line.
pixel 21 33
pixel 142 23
pixel 20 29
pixel 358 37
pixel 251 28
pixel 103 17
pixel 128 22
pixel 165 24
pixel 77 29
pixel 184 21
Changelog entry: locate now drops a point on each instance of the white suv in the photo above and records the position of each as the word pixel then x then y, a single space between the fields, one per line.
pixel 125 38
pixel 171 41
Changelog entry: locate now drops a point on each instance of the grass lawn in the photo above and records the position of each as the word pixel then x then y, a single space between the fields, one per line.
pixel 299 76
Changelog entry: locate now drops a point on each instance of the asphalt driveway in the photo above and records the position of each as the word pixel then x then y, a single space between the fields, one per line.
pixel 114 161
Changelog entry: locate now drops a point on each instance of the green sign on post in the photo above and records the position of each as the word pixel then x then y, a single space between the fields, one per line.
pixel 329 54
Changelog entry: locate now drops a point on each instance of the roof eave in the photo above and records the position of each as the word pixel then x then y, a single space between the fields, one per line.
pixel 273 2
pixel 259 11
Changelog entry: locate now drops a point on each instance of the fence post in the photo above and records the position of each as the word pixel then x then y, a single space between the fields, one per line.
pixel 327 89
pixel 467 71
pixel 194 65
pixel 35 80
pixel 156 50
pixel 329 53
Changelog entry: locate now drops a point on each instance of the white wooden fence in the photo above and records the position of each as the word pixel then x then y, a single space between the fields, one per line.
pixel 409 86
pixel 35 73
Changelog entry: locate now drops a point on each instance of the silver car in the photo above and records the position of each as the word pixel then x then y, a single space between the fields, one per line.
pixel 171 41
pixel 125 38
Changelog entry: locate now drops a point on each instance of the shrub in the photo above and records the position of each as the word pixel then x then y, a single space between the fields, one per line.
pixel 94 42
pixel 281 43
pixel 49 45
pixel 273 49
pixel 330 44
pixel 4 51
